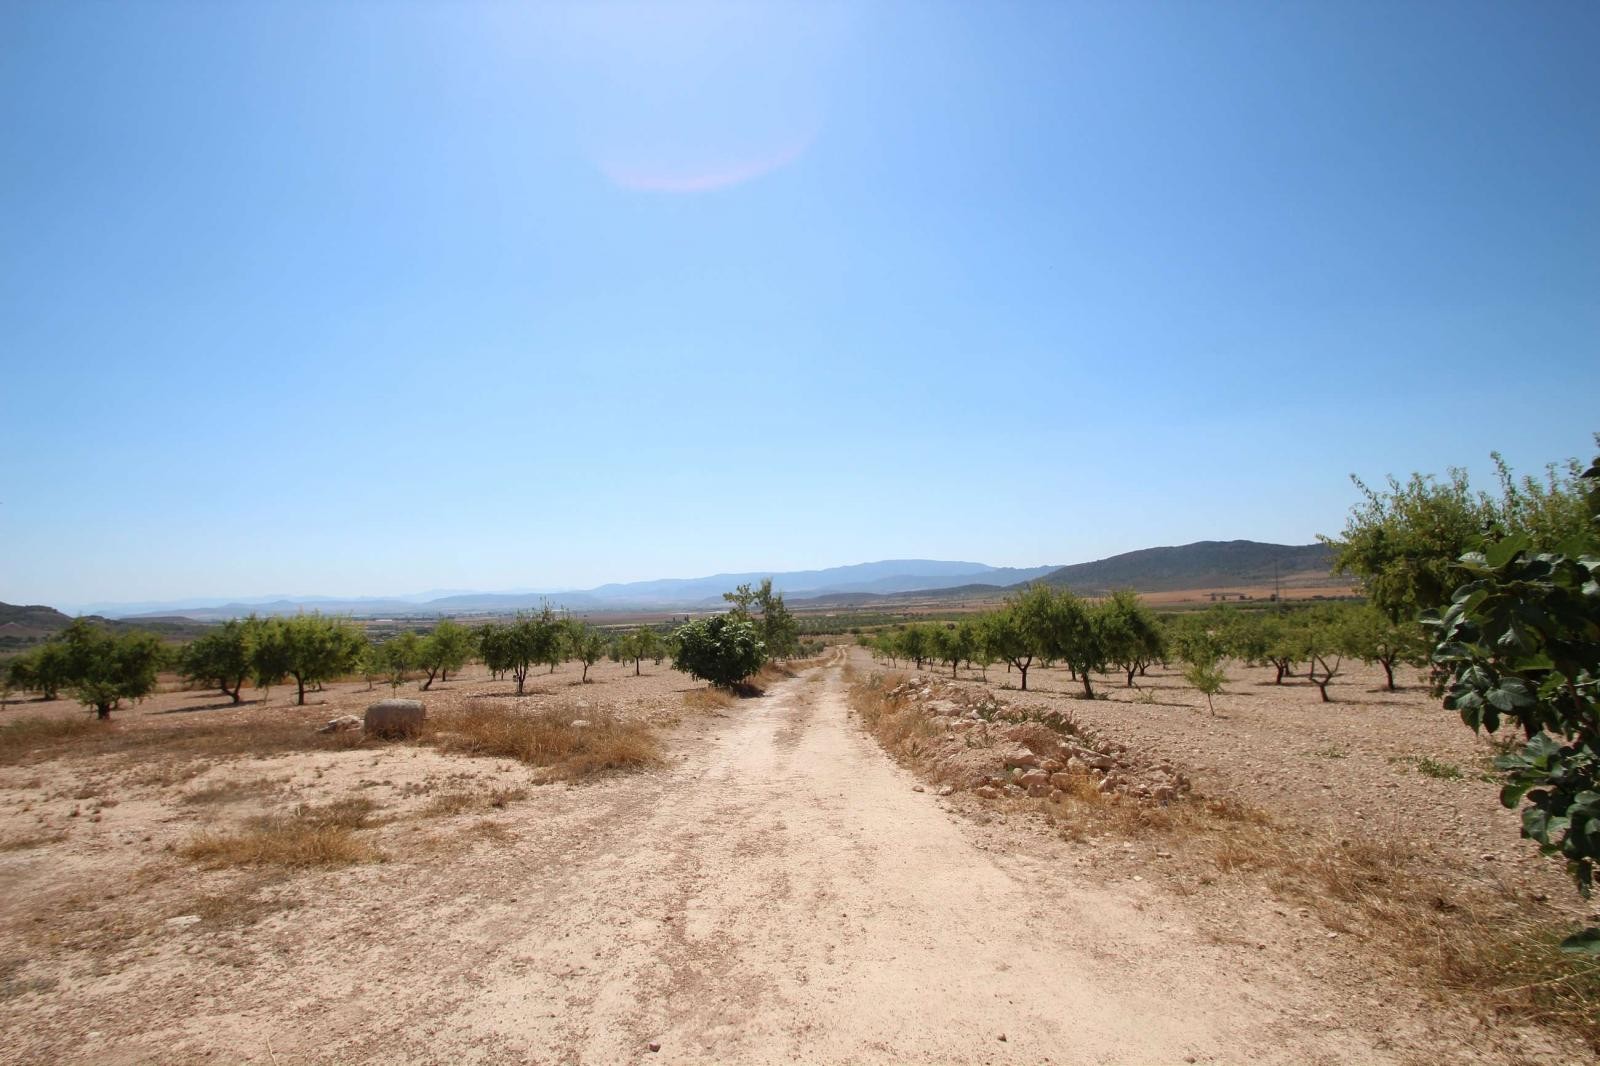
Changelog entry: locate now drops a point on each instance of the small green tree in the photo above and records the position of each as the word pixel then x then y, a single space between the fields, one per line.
pixel 1199 643
pixel 447 648
pixel 400 655
pixel 44 670
pixel 1131 633
pixel 1012 639
pixel 1322 640
pixel 976 641
pixel 222 658
pixel 531 638
pixel 951 643
pixel 915 642
pixel 1074 634
pixel 371 667
pixel 723 649
pixel 640 644
pixel 1207 677
pixel 1372 637
pixel 587 645
pixel 103 670
pixel 774 624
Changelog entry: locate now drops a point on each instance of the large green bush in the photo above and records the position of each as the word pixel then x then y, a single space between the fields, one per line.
pixel 723 649
pixel 1520 644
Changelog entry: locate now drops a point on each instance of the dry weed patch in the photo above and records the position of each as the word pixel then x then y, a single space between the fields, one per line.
pixel 13 984
pixel 449 804
pixel 309 836
pixel 233 791
pixel 32 840
pixel 709 699
pixel 546 738
pixel 19 739
pixel 182 747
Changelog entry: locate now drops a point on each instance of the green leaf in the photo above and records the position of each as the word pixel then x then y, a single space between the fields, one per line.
pixel 1585 943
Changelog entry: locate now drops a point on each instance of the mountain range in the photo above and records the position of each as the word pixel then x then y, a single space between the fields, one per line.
pixel 1202 565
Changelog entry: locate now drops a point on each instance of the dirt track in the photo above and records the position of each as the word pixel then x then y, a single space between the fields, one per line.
pixel 778 893
pixel 782 894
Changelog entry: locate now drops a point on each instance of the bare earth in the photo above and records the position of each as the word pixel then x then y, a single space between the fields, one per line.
pixel 777 892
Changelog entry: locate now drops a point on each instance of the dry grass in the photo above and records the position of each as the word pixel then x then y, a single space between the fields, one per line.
pixel 13 984
pixel 19 739
pixel 233 791
pixel 244 906
pixel 546 738
pixel 309 836
pixel 709 699
pixel 33 840
pixel 449 804
pixel 36 739
pixel 897 722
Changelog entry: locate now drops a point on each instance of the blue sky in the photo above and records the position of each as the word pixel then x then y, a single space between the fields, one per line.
pixel 373 298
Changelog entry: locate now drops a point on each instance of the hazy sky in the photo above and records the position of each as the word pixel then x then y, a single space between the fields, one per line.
pixel 373 298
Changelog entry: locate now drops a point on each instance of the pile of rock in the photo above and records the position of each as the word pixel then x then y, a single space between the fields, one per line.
pixel 983 745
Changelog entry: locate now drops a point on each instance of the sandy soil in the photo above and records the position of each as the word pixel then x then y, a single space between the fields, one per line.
pixel 778 891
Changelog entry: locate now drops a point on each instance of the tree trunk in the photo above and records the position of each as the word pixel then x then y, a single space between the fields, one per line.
pixel 1131 671
pixel 301 685
pixel 1388 673
pixel 1088 688
pixel 1023 670
pixel 102 711
pixel 636 663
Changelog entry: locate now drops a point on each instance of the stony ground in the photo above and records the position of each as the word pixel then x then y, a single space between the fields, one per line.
pixel 779 889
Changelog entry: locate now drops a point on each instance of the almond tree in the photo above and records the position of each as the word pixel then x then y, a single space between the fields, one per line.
pixel 311 648
pixel 447 648
pixel 221 658
pixel 104 669
pixel 1130 632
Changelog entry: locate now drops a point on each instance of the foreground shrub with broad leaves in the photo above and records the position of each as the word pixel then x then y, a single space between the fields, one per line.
pixel 1520 643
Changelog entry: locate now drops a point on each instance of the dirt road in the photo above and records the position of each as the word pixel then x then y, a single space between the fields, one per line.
pixel 779 893
pixel 782 894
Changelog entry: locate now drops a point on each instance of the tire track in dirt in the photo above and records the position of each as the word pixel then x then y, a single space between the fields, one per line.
pixel 783 895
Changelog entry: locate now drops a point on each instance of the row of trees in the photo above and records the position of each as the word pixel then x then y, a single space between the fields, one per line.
pixel 1045 625
pixel 1041 624
pixel 102 668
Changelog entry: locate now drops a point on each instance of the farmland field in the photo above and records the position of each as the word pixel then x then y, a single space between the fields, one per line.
pixel 770 886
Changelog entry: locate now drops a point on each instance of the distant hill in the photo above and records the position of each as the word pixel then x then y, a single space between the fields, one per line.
pixel 1204 564
pixel 22 627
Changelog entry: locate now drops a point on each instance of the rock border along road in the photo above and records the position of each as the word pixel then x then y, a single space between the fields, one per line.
pixel 782 894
